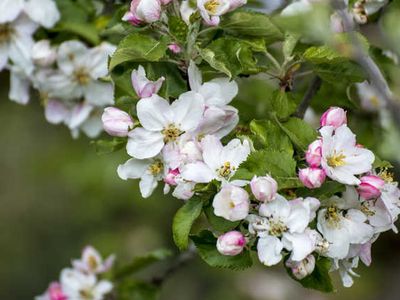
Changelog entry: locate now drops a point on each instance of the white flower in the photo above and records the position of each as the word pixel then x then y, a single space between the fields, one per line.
pixel 341 157
pixel 342 225
pixel 43 54
pixel 150 171
pixel 219 162
pixel 231 203
pixel 79 72
pixel 78 286
pixel 303 268
pixel 264 188
pixel 391 199
pixel 163 123
pixel 184 190
pixel 19 85
pixel 145 88
pixel 186 11
pixel 282 224
pixel 211 10
pixel 92 262
pixel 369 99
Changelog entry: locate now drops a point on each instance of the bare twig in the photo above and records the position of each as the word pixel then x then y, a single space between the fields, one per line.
pixel 305 103
pixel 362 57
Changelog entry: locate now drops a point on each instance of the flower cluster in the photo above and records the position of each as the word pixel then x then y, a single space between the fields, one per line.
pixel 149 11
pixel 68 76
pixel 179 143
pixel 81 282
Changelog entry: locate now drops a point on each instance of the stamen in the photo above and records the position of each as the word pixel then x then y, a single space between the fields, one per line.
pixel 211 6
pixel 171 133
pixel 82 76
pixel 336 160
pixel 156 168
pixel 6 32
pixel 226 170
pixel 277 227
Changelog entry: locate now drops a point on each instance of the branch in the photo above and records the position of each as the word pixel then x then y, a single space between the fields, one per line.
pixel 375 76
pixel 180 261
pixel 305 103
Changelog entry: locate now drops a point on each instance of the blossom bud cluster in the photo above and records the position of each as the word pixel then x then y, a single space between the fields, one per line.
pixel 82 280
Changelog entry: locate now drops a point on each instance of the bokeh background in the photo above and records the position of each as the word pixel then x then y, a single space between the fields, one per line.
pixel 57 195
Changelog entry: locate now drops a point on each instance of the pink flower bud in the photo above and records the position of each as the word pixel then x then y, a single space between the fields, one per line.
pixel 231 203
pixel 264 188
pixel 55 292
pixel 116 122
pixel 301 269
pixel 143 87
pixel 231 243
pixel 175 48
pixel 170 178
pixel 312 177
pixel 335 116
pixel 314 153
pixel 370 187
pixel 147 11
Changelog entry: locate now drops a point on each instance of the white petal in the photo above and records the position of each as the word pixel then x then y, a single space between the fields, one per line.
pixel 133 168
pixel 19 88
pixel 219 91
pixel 102 288
pixel 3 56
pixel 44 12
pixel 20 52
pixel 99 93
pixel 269 250
pixel 149 10
pixel 188 110
pixel 144 144
pixel 68 53
pixel 212 149
pixel 236 152
pixel 97 64
pixel 299 218
pixel 359 231
pixel 79 114
pixel 147 185
pixel 93 126
pixel 278 208
pixel 154 113
pixel 10 9
pixel 195 77
pixel 299 243
pixel 198 172
pixel 56 112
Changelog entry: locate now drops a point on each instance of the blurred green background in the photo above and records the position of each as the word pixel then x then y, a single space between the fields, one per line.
pixel 57 196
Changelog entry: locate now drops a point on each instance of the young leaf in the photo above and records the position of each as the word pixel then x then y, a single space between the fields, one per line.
pixel 320 279
pixel 206 245
pixel 178 28
pixel 183 221
pixel 282 104
pixel 219 223
pixel 138 48
pixel 300 133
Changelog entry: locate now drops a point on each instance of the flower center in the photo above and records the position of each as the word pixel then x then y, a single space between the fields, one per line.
pixel 336 160
pixel 171 133
pixel 277 227
pixel 332 215
pixel 211 6
pixel 374 101
pixel 5 33
pixel 92 262
pixel 226 170
pixel 386 175
pixel 156 168
pixel 365 208
pixel 86 294
pixel 82 76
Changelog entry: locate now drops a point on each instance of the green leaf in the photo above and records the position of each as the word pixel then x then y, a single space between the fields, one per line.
pixel 138 48
pixel 280 165
pixel 320 279
pixel 327 190
pixel 248 23
pixel 270 136
pixel 178 28
pixel 300 133
pixel 282 104
pixel 218 223
pixel 231 56
pixel 206 245
pixel 137 290
pixel 141 262
pixel 109 146
pixel 84 30
pixel 288 45
pixel 183 221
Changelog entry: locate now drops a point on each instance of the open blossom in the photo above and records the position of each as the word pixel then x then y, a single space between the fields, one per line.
pixel 43 54
pixel 312 177
pixel 231 203
pixel 145 88
pixel 341 158
pixel 314 153
pixel 369 99
pixel 231 243
pixel 143 11
pixel 149 171
pixel 116 122
pixel 264 188
pixel 370 186
pixel 92 262
pixel 163 123
pixel 80 286
pixel 303 268
pixel 335 116
pixel 211 10
pixel 282 224
pixel 219 162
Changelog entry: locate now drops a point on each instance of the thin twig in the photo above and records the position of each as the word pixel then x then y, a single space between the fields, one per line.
pixel 375 76
pixel 305 103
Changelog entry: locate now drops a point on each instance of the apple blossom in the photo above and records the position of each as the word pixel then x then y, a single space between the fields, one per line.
pixel 184 190
pixel 314 153
pixel 219 162
pixel 231 203
pixel 116 122
pixel 303 268
pixel 264 188
pixel 334 116
pixel 43 54
pixel 163 123
pixel 145 88
pixel 147 11
pixel 312 177
pixel 369 99
pixel 370 186
pixel 92 262
pixel 231 243
pixel 211 10
pixel 341 158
